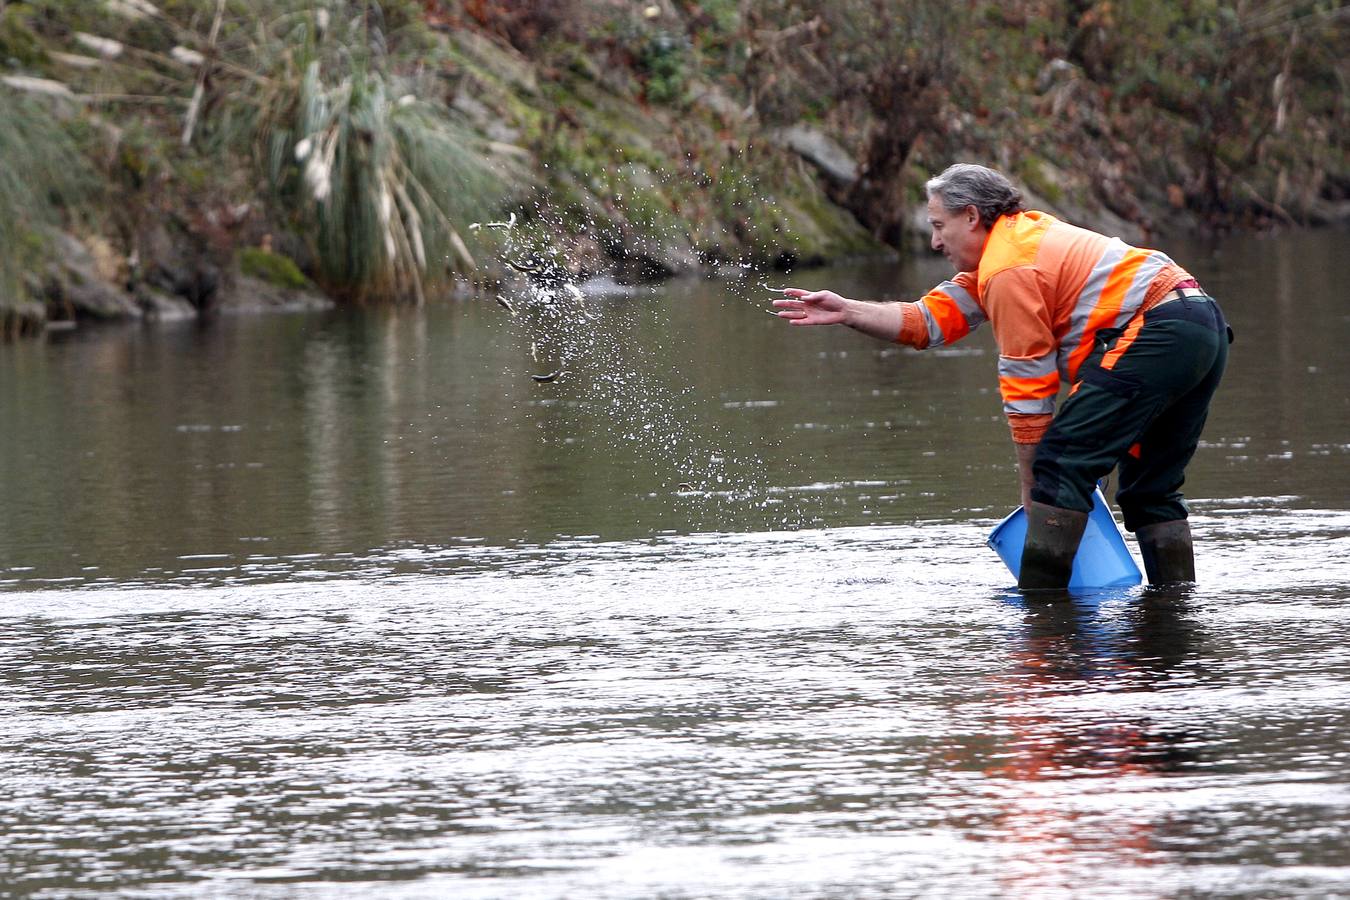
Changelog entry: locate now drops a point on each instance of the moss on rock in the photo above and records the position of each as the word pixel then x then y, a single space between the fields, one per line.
pixel 273 268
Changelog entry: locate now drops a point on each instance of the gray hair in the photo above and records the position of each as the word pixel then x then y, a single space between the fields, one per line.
pixel 966 184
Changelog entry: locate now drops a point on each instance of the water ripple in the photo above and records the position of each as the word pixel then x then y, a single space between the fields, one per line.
pixel 858 712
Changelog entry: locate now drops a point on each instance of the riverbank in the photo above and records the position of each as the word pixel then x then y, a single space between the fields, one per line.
pixel 174 160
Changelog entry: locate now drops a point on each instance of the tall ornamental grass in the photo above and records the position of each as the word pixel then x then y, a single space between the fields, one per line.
pixel 379 182
pixel 41 173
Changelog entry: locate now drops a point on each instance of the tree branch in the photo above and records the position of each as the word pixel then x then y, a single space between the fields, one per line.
pixel 200 90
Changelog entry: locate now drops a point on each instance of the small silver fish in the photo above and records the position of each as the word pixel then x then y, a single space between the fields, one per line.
pixel 505 304
pixel 523 268
pixel 507 225
pixel 551 376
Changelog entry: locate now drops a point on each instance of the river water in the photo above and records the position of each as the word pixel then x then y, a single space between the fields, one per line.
pixel 347 603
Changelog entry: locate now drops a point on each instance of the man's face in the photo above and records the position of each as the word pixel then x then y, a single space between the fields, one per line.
pixel 958 235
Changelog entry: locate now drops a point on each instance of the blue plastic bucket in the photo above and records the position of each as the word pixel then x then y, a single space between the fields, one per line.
pixel 1103 560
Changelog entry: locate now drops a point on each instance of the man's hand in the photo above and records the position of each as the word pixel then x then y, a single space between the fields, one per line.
pixel 801 307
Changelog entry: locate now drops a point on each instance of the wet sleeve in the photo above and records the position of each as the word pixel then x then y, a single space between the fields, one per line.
pixel 1028 373
pixel 944 315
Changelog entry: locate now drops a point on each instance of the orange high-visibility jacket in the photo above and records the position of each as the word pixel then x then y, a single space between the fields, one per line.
pixel 1047 288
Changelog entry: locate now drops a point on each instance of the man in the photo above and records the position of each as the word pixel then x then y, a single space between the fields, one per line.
pixel 1139 344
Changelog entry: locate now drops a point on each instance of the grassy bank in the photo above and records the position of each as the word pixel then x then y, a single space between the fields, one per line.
pixel 357 143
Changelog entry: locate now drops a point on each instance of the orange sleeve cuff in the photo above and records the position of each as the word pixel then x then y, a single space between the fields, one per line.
pixel 1029 429
pixel 913 328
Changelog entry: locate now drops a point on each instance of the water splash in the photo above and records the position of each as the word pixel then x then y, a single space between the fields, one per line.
pixel 581 348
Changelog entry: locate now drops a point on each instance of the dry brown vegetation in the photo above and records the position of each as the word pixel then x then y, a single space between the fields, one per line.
pixel 361 140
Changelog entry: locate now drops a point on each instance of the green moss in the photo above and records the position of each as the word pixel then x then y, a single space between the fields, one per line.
pixel 826 229
pixel 1032 172
pixel 18 44
pixel 274 268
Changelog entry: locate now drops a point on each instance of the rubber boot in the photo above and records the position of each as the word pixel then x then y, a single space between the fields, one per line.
pixel 1169 556
pixel 1052 541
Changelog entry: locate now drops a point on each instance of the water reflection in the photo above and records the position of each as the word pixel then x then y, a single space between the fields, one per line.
pixel 1062 736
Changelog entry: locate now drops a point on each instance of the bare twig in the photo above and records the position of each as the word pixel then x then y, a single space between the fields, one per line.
pixel 1269 206
pixel 131 98
pixel 222 64
pixel 200 90
pixel 811 26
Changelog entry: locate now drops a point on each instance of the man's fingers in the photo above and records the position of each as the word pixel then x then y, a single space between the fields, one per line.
pixel 799 299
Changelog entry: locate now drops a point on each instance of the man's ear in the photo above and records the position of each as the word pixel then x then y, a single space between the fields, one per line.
pixel 972 215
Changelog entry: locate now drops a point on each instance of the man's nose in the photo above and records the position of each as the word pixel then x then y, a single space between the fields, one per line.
pixel 937 244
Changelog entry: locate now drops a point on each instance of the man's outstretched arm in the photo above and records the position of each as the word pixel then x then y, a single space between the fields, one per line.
pixel 941 317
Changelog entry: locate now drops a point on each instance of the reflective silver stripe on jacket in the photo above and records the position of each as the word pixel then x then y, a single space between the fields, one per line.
pixel 1046 405
pixel 1091 295
pixel 1088 298
pixel 1138 289
pixel 965 304
pixel 1039 367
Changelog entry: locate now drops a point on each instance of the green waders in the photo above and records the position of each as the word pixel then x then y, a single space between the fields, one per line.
pixel 1144 415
